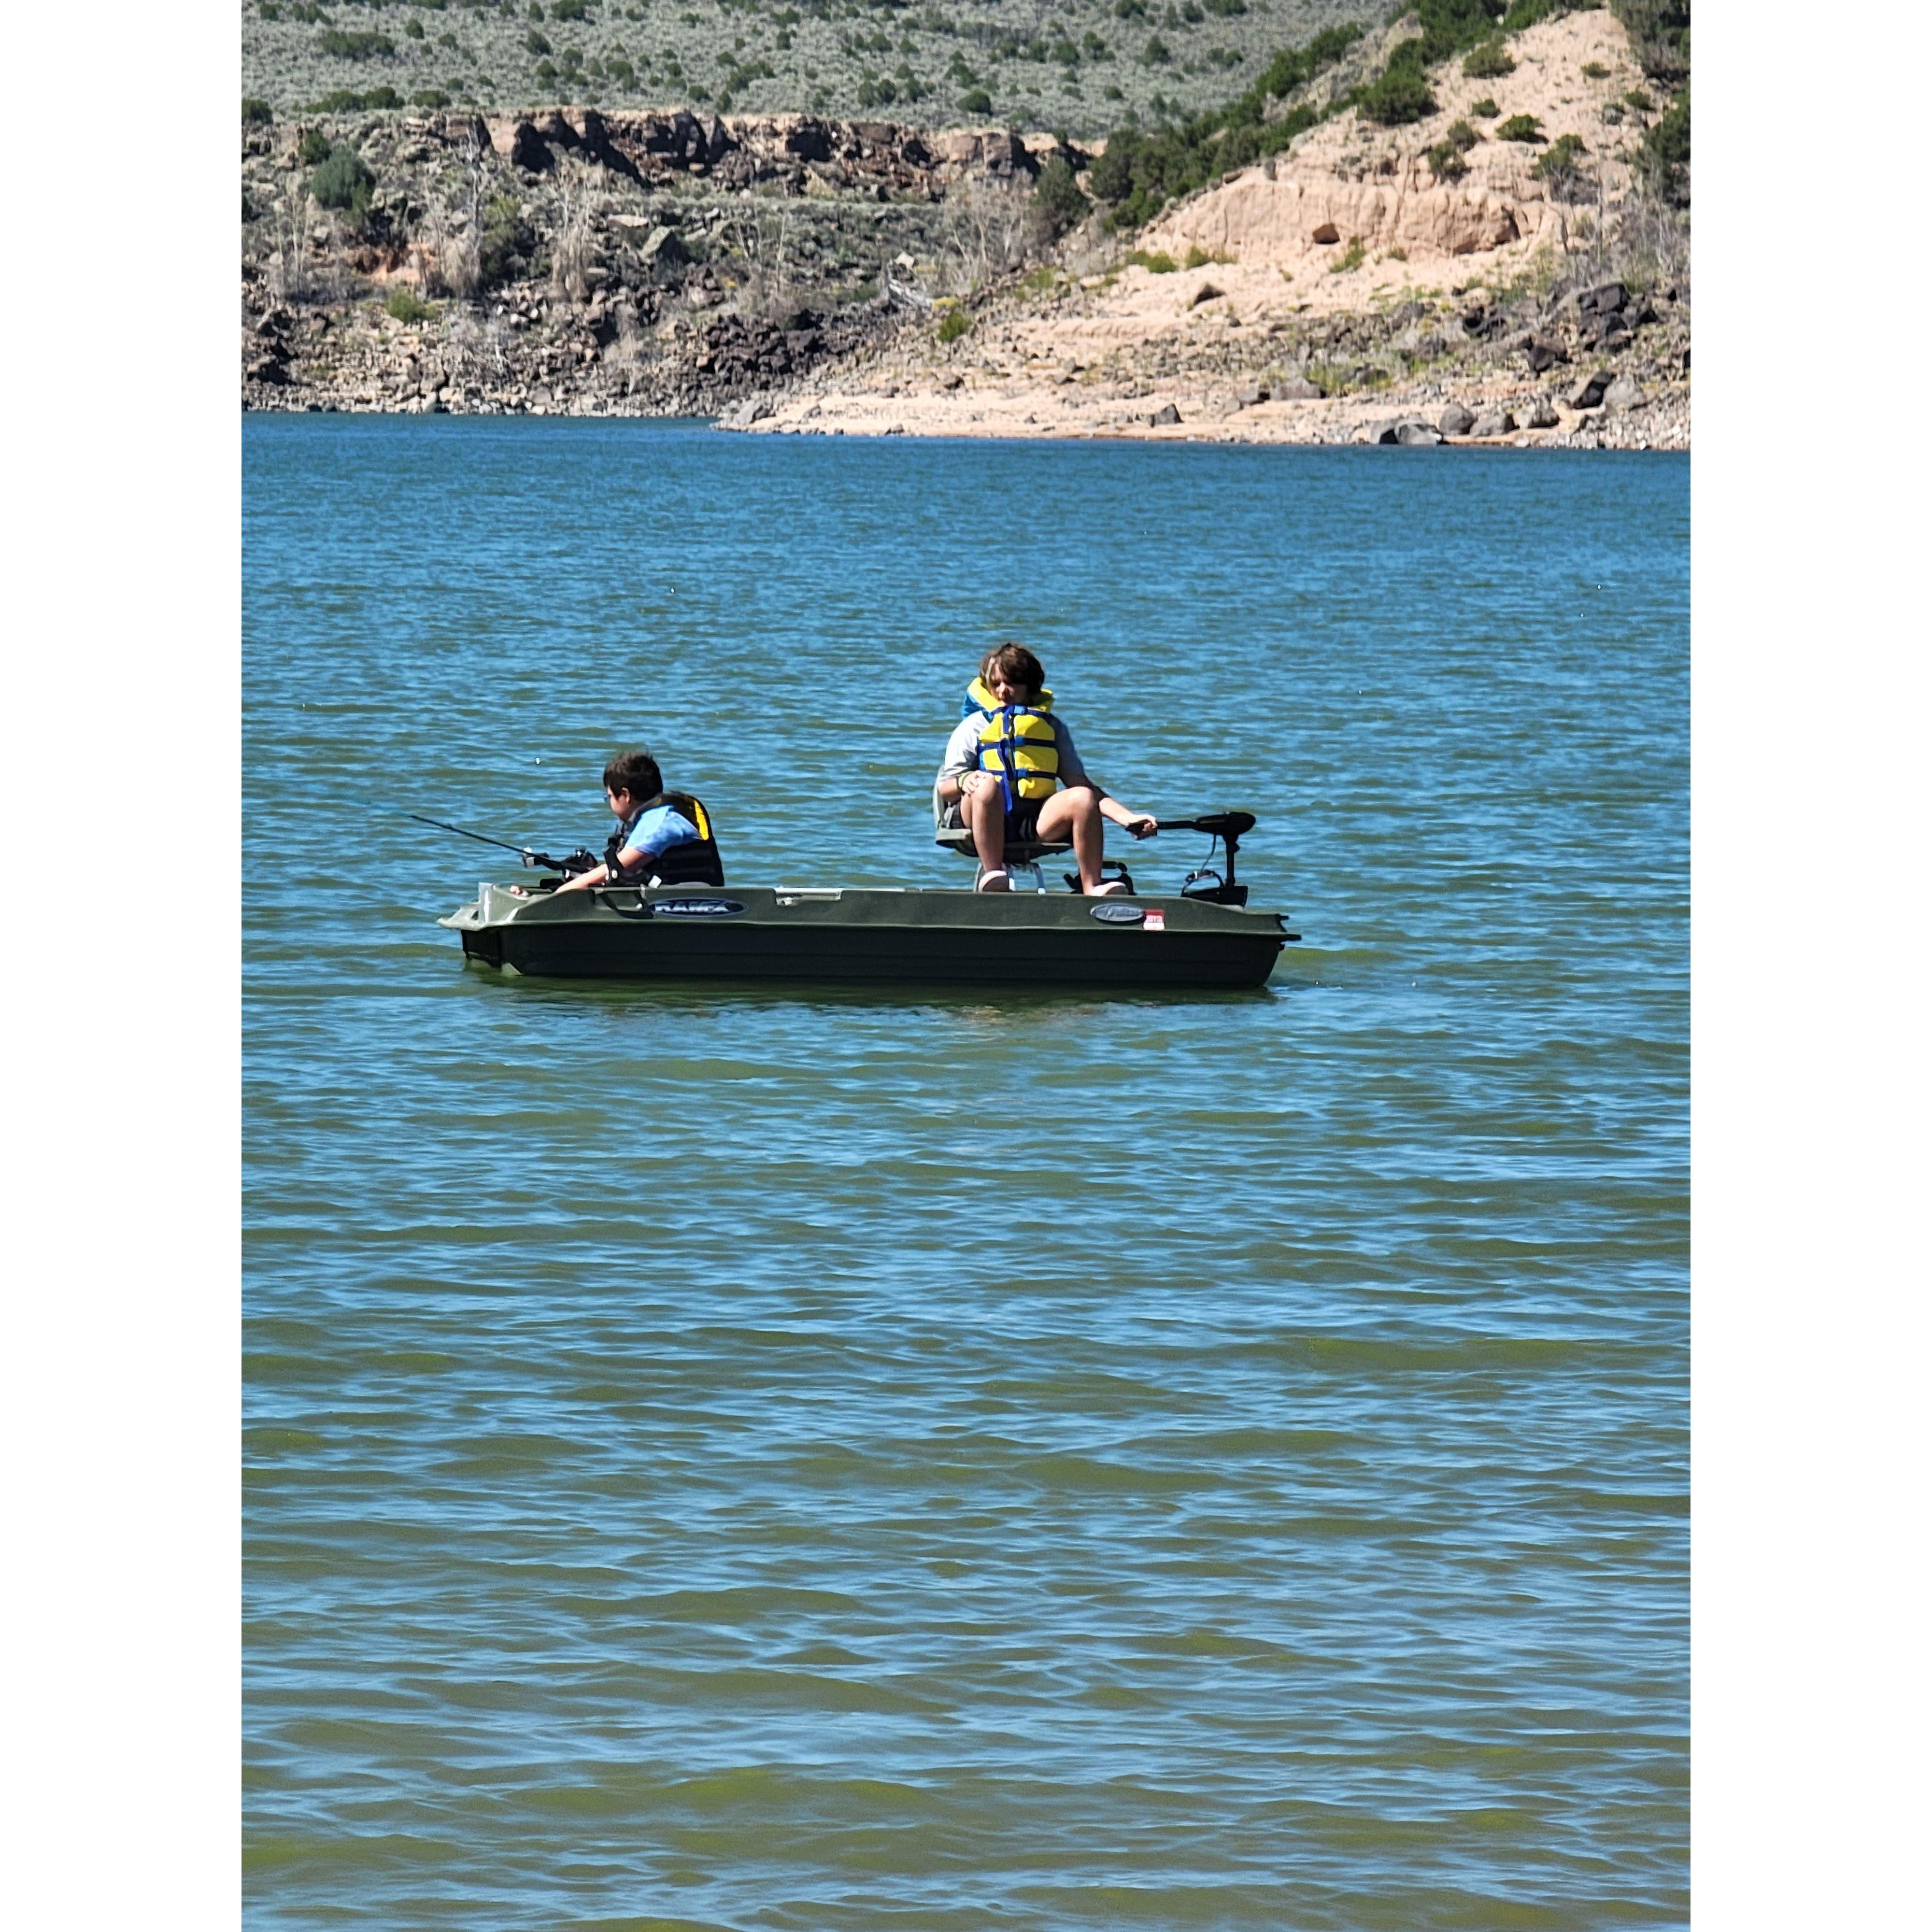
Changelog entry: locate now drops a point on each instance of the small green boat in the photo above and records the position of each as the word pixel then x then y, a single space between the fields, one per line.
pixel 1203 938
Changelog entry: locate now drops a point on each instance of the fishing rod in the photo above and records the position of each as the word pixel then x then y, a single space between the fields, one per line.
pixel 579 861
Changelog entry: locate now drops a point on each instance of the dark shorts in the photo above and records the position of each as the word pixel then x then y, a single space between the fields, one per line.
pixel 1022 823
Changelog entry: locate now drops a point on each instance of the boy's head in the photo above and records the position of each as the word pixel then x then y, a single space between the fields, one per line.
pixel 1015 667
pixel 634 772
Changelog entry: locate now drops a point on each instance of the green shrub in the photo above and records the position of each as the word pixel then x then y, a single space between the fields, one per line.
pixel 343 181
pixel 506 242
pixel 568 10
pixel 430 97
pixel 1460 135
pixel 1057 195
pixel 1446 162
pixel 535 43
pixel 1489 62
pixel 1130 9
pixel 1398 97
pixel 1156 53
pixel 359 46
pixel 955 324
pixel 1640 100
pixel 269 10
pixel 1557 166
pixel 256 111
pixel 1660 31
pixel 314 147
pixel 1192 14
pixel 1140 172
pixel 1595 71
pixel 1227 9
pixel 1485 109
pixel 975 100
pixel 1160 262
pixel 405 305
pixel 1665 157
pixel 1520 127
pixel 414 30
pixel 1351 258
pixel 1527 13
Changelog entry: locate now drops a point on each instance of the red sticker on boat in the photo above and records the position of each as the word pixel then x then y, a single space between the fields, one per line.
pixel 1157 919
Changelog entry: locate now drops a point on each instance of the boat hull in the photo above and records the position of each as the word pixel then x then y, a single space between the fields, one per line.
pixel 872 937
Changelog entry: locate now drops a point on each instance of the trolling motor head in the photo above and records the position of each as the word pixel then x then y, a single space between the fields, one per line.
pixel 1207 881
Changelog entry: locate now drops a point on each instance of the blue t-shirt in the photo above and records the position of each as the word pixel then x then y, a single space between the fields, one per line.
pixel 654 831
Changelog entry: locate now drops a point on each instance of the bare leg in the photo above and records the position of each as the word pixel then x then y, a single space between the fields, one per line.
pixel 984 810
pixel 1075 813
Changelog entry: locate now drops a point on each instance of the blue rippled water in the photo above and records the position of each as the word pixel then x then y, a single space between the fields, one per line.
pixel 834 1461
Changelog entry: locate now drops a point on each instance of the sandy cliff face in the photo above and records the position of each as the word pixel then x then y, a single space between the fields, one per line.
pixel 1348 182
pixel 1347 284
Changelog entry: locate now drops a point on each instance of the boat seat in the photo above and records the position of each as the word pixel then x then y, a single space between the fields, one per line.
pixel 1021 854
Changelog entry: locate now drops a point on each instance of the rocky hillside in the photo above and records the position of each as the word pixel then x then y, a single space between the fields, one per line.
pixel 1505 251
pixel 631 264
pixel 1436 277
pixel 1082 65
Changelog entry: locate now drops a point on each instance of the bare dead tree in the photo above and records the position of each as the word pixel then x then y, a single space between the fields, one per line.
pixel 290 267
pixel 760 238
pixel 984 229
pixel 571 249
pixel 460 258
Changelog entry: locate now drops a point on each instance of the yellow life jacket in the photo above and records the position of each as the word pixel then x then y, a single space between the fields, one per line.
pixel 1018 743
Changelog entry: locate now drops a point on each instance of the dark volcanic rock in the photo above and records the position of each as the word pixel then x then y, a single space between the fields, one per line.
pixel 1162 418
pixel 1589 393
pixel 529 150
pixel 1456 420
pixel 1417 436
pixel 810 141
pixel 1545 356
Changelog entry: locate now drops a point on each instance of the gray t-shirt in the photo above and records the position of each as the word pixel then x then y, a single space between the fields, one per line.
pixel 962 751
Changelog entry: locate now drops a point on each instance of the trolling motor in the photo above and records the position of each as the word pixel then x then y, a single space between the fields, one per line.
pixel 1207 881
pixel 570 866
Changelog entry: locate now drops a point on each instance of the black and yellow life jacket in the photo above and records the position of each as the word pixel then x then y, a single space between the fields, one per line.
pixel 1018 743
pixel 696 862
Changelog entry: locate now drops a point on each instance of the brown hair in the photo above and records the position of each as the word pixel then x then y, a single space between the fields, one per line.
pixel 635 771
pixel 1017 664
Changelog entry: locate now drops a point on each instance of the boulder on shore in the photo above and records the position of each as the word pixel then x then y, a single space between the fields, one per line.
pixel 1494 422
pixel 1623 394
pixel 1298 389
pixel 1163 418
pixel 1417 436
pixel 1542 414
pixel 1456 420
pixel 1589 393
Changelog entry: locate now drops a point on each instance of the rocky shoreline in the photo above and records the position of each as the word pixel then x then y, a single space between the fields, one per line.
pixel 792 275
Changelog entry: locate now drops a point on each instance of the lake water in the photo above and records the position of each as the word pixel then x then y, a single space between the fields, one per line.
pixel 940 1462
